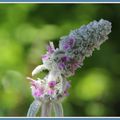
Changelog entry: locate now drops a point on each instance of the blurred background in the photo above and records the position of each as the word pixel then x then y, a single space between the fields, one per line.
pixel 26 29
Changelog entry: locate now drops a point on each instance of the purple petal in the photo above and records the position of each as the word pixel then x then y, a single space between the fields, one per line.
pixel 45 57
pixel 61 65
pixel 65 59
pixel 50 49
pixel 68 85
pixel 52 83
pixel 69 43
pixel 66 46
pixel 37 93
pixel 50 92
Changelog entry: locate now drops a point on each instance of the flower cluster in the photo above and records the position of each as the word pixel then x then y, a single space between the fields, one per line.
pixel 63 61
pixel 44 90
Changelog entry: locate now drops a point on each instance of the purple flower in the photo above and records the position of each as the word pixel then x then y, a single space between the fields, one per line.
pixel 63 62
pixel 69 43
pixel 61 65
pixel 45 57
pixel 50 49
pixel 66 46
pixel 52 83
pixel 65 59
pixel 38 91
pixel 68 85
pixel 50 92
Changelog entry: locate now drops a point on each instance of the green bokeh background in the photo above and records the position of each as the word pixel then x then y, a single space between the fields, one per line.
pixel 26 29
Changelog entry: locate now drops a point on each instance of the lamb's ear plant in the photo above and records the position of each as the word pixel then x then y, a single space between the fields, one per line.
pixel 61 63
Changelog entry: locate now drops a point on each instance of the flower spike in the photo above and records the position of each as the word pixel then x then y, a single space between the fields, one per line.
pixel 62 63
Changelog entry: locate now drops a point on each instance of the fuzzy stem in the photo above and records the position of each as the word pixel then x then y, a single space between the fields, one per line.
pixel 58 109
pixel 33 109
pixel 46 109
